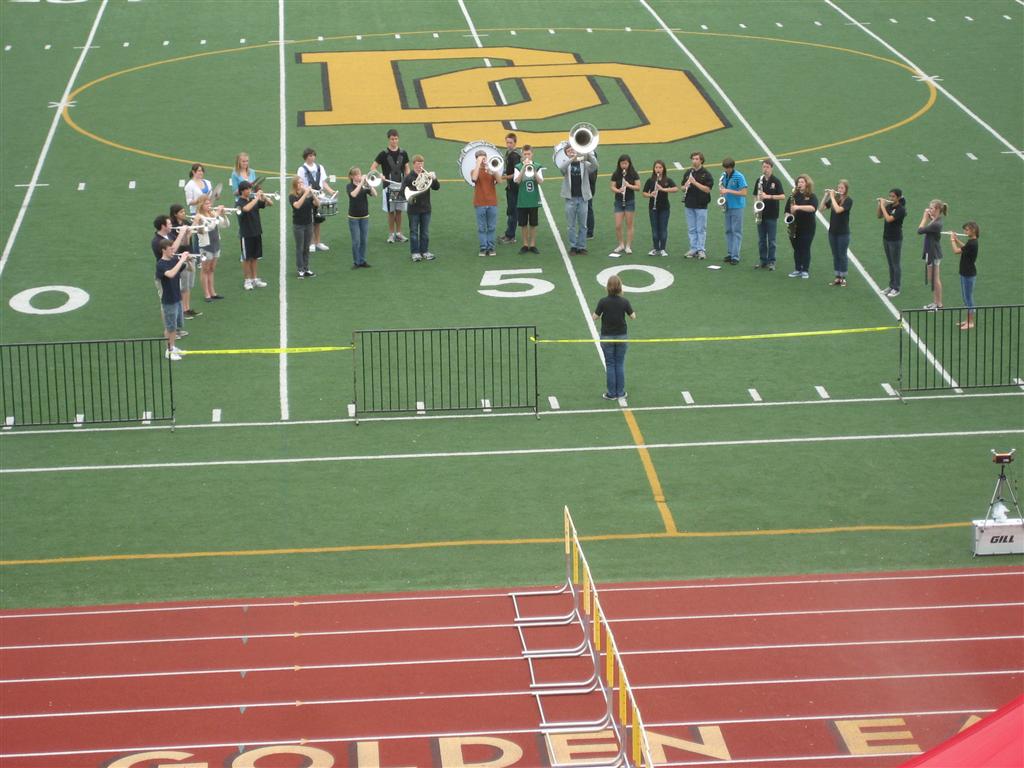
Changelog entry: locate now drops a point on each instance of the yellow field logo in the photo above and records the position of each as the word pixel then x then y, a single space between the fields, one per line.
pixel 364 88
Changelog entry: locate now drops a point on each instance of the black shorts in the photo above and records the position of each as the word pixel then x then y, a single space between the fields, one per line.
pixel 527 217
pixel 252 248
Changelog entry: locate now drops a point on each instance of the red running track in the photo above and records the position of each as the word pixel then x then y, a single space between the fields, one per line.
pixel 829 670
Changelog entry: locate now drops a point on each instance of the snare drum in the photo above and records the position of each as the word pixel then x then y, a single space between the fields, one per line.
pixel 328 208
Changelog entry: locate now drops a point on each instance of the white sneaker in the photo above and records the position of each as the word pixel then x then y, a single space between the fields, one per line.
pixel 663 252
pixel 618 249
pixel 248 285
pixel 429 256
pixel 170 354
pixel 795 273
pixel 312 248
pixel 175 350
pixel 931 306
pixel 391 237
pixel 654 252
pixel 417 257
pixel 257 283
pixel 629 249
pixel 323 247
pixel 400 238
pixel 690 254
pixel 893 294
pixel 805 275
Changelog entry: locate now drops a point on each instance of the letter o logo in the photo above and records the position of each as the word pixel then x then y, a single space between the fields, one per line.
pixel 22 301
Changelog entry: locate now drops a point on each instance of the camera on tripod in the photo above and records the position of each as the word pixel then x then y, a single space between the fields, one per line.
pixel 1003 457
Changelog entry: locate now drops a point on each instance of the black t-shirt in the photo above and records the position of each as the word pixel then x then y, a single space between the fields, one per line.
pixel 392 164
pixel 576 180
pixel 663 198
pixel 512 159
pixel 771 186
pixel 304 213
pixel 421 202
pixel 805 222
pixel 613 311
pixel 893 230
pixel 171 285
pixel 249 221
pixel 968 257
pixel 357 206
pixel 694 197
pixel 839 223
pixel 631 177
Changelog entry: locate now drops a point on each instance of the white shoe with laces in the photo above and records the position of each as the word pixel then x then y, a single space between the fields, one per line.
pixel 257 283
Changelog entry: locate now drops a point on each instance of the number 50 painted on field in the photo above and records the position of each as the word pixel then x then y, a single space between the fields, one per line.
pixel 538 286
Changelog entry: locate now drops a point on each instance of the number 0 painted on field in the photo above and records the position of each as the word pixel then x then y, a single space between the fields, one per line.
pixel 662 277
pixel 76 298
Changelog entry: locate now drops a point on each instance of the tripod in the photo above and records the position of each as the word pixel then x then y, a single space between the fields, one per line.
pixel 997 495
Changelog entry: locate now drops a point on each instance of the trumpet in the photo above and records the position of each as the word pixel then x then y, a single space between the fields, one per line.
pixel 528 171
pixel 272 195
pixel 372 180
pixel 420 184
pixel 495 164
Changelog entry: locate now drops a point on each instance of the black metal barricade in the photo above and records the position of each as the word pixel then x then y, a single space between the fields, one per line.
pixel 987 355
pixel 444 369
pixel 85 382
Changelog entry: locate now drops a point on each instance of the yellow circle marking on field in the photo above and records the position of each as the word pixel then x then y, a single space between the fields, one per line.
pixel 932 91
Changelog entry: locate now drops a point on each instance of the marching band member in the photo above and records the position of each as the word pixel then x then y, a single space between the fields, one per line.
pixel 697 184
pixel 931 228
pixel 656 191
pixel 624 183
pixel 305 201
pixel 393 163
pixel 768 189
pixel 168 267
pixel 250 233
pixel 528 199
pixel 512 158
pixel 893 210
pixel 187 275
pixel 733 187
pixel 313 175
pixel 839 203
pixel 358 215
pixel 576 192
pixel 213 219
pixel 485 202
pixel 195 186
pixel 242 171
pixel 802 204
pixel 968 253
pixel 419 213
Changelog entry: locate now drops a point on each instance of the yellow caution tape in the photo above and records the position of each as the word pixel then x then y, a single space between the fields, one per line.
pixel 263 351
pixel 746 337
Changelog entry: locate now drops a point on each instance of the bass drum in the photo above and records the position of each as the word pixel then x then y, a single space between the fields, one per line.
pixel 467 157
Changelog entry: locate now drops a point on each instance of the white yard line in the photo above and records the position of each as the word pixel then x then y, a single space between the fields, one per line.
pixel 573 278
pixel 785 173
pixel 58 113
pixel 510 452
pixel 924 76
pixel 282 290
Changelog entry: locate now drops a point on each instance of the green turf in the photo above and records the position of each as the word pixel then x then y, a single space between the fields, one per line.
pixel 809 91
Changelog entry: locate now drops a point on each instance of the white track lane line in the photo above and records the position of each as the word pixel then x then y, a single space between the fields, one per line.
pixel 837 716
pixel 509 625
pixel 58 113
pixel 73 613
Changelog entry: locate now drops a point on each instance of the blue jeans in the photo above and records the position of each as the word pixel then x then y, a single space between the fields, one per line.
pixel 659 228
pixel 967 290
pixel 893 249
pixel 419 232
pixel 697 227
pixel 486 225
pixel 576 217
pixel 511 196
pixel 840 261
pixel 733 232
pixel 766 231
pixel 360 230
pixel 615 363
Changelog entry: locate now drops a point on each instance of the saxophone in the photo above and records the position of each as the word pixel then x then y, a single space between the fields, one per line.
pixel 790 219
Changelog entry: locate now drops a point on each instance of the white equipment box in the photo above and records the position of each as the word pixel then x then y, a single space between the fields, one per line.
pixel 999 538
